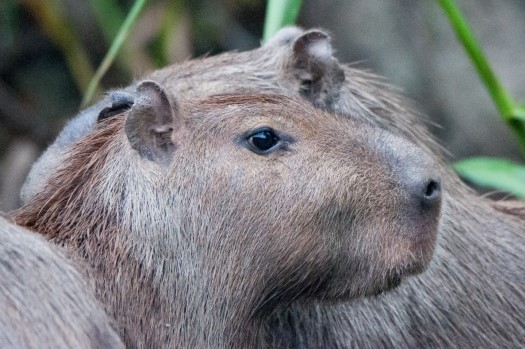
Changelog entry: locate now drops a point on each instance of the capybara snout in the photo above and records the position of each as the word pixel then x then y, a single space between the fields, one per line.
pixel 388 191
pixel 419 180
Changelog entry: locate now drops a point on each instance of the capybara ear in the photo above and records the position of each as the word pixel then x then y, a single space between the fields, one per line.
pixel 319 74
pixel 284 36
pixel 149 124
pixel 120 102
pixel 313 46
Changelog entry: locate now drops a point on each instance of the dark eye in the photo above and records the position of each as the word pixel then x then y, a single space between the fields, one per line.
pixel 306 86
pixel 120 102
pixel 263 140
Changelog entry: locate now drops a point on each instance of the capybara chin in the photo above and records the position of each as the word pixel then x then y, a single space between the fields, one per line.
pixel 200 220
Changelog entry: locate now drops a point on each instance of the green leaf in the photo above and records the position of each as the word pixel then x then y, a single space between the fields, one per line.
pixel 280 13
pixel 495 173
pixel 519 113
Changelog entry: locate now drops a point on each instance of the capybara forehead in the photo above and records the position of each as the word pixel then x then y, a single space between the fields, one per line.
pixel 241 104
pixel 245 100
pixel 278 110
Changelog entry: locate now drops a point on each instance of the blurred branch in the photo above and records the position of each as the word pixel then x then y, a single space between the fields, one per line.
pixel 280 13
pixel 8 22
pixel 62 33
pixel 513 115
pixel 172 16
pixel 123 33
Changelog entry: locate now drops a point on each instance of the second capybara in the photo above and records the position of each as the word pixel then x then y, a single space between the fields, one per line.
pixel 45 302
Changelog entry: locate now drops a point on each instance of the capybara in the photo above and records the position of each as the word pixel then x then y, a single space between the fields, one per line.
pixel 200 221
pixel 472 296
pixel 307 69
pixel 44 300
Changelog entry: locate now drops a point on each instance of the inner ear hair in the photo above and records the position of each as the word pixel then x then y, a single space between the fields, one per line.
pixel 313 45
pixel 317 70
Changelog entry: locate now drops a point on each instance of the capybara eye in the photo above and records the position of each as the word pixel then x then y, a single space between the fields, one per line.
pixel 261 141
pixel 306 86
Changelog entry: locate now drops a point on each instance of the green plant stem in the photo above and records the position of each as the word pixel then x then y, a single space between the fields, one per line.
pixel 510 113
pixel 503 101
pixel 110 17
pixel 280 13
pixel 123 33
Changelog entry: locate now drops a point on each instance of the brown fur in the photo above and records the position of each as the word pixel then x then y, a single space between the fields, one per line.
pixel 205 250
pixel 473 295
pixel 44 301
pixel 274 68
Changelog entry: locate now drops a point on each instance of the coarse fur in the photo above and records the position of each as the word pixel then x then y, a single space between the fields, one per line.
pixel 44 301
pixel 196 240
pixel 472 296
pixel 309 71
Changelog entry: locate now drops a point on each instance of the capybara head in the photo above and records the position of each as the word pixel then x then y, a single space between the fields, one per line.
pixel 304 201
pixel 294 63
pixel 312 196
pixel 240 204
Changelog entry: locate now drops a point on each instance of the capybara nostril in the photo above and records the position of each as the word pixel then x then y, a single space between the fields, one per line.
pixel 425 193
pixel 431 195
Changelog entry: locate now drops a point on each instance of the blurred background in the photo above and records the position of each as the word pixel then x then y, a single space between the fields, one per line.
pixel 50 49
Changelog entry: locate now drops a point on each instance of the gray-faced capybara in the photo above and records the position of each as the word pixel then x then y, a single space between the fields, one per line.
pixel 201 221
pixel 472 296
pixel 44 301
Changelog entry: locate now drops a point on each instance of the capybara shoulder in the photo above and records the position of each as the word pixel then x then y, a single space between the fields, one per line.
pixel 44 301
